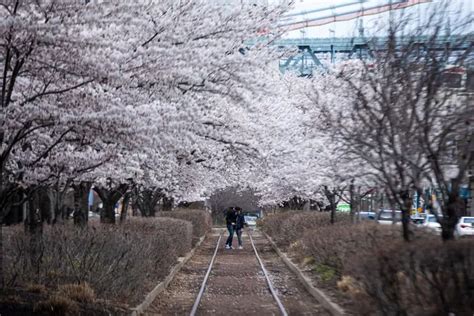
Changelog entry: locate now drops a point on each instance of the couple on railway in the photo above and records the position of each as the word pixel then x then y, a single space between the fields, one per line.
pixel 235 221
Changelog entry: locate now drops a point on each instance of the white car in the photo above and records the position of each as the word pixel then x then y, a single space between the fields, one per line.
pixel 251 220
pixel 386 217
pixel 93 215
pixel 464 227
pixel 430 223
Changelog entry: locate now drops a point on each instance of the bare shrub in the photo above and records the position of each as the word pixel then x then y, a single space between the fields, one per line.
pixel 200 219
pixel 383 274
pixel 119 262
pixel 272 224
pixel 421 278
pixel 386 276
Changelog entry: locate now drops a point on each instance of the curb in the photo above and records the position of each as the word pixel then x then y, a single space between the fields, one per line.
pixel 332 307
pixel 140 309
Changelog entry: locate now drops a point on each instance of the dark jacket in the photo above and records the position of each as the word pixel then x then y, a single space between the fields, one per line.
pixel 231 216
pixel 240 221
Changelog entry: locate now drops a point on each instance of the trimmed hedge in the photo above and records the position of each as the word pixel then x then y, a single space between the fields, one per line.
pixel 200 219
pixel 289 227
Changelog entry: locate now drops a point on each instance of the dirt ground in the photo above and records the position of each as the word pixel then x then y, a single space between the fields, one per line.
pixel 236 284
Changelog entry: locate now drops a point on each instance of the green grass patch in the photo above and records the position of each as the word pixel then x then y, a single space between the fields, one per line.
pixel 327 273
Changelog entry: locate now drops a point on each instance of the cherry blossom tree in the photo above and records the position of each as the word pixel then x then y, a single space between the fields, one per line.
pixel 101 93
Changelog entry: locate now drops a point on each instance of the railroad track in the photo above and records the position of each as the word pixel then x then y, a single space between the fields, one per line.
pixel 262 267
pixel 254 281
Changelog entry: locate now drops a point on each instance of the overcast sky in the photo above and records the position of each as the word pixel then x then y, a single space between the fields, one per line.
pixel 350 28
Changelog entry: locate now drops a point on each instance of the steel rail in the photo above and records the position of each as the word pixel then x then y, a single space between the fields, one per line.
pixel 203 285
pixel 270 286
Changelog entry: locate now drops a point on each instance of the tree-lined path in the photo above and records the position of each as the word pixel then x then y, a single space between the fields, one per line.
pixel 128 127
pixel 236 284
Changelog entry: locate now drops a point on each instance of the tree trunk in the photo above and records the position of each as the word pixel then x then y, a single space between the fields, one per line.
pixel 2 278
pixel 58 194
pixel 406 209
pixel 14 211
pixel 144 204
pixel 108 213
pixel 81 203
pixel 34 229
pixel 331 196
pixel 45 204
pixel 451 214
pixel 52 195
pixel 307 205
pixel 318 208
pixel 58 207
pixel 382 200
pixel 152 209
pixel 358 204
pixel 125 203
pixel 167 203
pixel 11 200
pixel 135 209
pixel 147 200
pixel 352 201
pixel 34 222
pixel 333 209
pixel 110 196
pixel 151 198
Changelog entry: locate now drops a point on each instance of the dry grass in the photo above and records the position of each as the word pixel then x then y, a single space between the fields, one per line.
pixel 77 292
pixel 36 288
pixel 349 285
pixel 56 306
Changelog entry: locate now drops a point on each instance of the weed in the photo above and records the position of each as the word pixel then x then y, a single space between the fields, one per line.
pixel 325 272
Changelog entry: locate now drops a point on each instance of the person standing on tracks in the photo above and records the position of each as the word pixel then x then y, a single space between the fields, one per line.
pixel 231 220
pixel 239 225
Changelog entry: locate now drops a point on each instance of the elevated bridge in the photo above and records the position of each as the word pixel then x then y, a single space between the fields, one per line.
pixel 312 53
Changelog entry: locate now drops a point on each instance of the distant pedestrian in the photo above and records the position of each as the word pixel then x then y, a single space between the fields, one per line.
pixel 230 219
pixel 239 225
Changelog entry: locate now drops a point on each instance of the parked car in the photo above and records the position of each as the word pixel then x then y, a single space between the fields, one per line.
pixel 251 220
pixel 431 224
pixel 465 227
pixel 93 215
pixel 418 219
pixel 366 215
pixel 387 217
